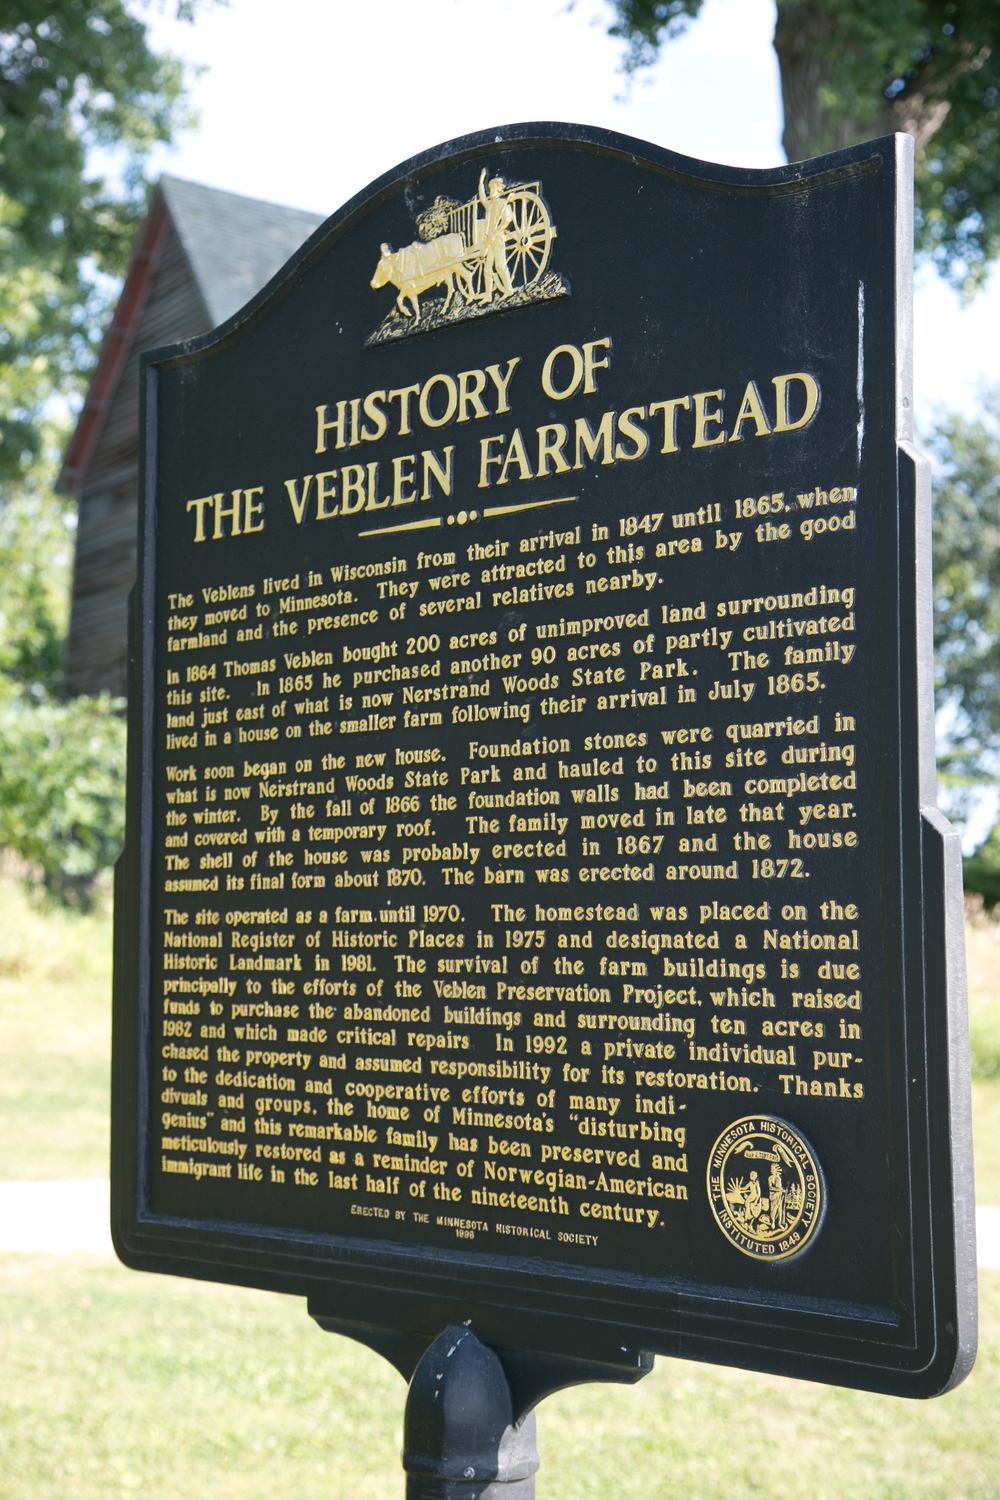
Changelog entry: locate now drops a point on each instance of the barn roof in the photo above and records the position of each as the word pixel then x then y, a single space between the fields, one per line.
pixel 233 246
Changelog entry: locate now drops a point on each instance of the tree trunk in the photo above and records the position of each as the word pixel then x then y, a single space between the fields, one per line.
pixel 803 35
pixel 806 41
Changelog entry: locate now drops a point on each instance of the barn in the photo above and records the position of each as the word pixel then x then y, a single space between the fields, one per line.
pixel 200 255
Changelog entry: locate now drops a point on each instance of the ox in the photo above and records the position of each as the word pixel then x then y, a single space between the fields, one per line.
pixel 416 267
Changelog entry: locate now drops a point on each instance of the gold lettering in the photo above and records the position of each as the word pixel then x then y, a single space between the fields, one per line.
pixel 471 384
pixel 374 504
pixel 222 511
pixel 551 440
pixel 337 425
pixel 487 459
pixel 578 367
pixel 590 364
pixel 591 441
pixel 502 382
pixel 251 509
pixel 352 479
pixel 670 410
pixel 378 416
pixel 401 477
pixel 299 506
pixel 516 454
pixel 326 490
pixel 404 394
pixel 752 409
pixel 702 416
pixel 199 533
pixel 633 432
pixel 433 467
pixel 426 415
pixel 781 384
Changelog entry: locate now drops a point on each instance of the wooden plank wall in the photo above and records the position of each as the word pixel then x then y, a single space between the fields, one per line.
pixel 104 570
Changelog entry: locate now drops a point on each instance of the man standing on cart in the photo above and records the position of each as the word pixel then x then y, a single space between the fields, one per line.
pixel 498 215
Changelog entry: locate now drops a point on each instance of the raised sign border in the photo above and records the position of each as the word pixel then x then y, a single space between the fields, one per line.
pixel 397 1300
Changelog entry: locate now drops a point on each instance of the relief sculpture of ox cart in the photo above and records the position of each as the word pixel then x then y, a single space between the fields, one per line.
pixel 495 246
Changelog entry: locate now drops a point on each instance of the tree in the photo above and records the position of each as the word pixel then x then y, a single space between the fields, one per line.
pixel 967 619
pixel 62 791
pixel 75 76
pixel 852 70
pixel 37 531
pixel 967 592
pixel 62 765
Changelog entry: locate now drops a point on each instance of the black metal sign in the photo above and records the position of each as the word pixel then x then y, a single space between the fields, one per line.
pixel 535 915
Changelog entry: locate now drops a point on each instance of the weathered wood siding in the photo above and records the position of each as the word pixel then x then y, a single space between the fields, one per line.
pixel 104 570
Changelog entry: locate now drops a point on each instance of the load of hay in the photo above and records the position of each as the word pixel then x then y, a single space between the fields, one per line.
pixel 436 219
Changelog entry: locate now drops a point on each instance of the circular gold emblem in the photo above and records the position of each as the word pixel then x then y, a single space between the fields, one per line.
pixel 765 1188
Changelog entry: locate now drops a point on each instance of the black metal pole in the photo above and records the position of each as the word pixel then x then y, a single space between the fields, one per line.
pixel 460 1441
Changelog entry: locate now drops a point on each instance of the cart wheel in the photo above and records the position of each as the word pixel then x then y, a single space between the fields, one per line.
pixel 529 238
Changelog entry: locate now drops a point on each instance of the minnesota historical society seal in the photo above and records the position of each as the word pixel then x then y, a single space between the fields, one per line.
pixel 765 1188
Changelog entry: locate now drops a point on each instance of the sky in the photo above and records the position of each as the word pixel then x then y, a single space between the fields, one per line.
pixel 313 112
pixel 309 111
pixel 306 102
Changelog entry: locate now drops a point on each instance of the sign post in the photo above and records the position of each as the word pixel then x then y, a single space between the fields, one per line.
pixel 537 943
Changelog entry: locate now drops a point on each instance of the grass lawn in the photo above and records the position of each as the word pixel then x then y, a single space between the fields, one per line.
pixel 982 945
pixel 55 1039
pixel 118 1384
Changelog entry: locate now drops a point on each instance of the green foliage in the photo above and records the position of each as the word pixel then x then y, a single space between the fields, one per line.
pixel 29 300
pixel 967 591
pixel 958 170
pixel 62 790
pixel 645 24
pixel 75 76
pixel 856 69
pixel 36 545
pixel 967 621
pixel 982 876
pixel 62 765
pixel 930 67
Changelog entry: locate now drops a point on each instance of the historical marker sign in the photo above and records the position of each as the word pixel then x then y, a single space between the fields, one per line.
pixel 535 911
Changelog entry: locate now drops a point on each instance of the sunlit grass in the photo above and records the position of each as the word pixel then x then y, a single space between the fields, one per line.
pixel 115 1384
pixel 55 1039
pixel 982 949
pixel 118 1384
